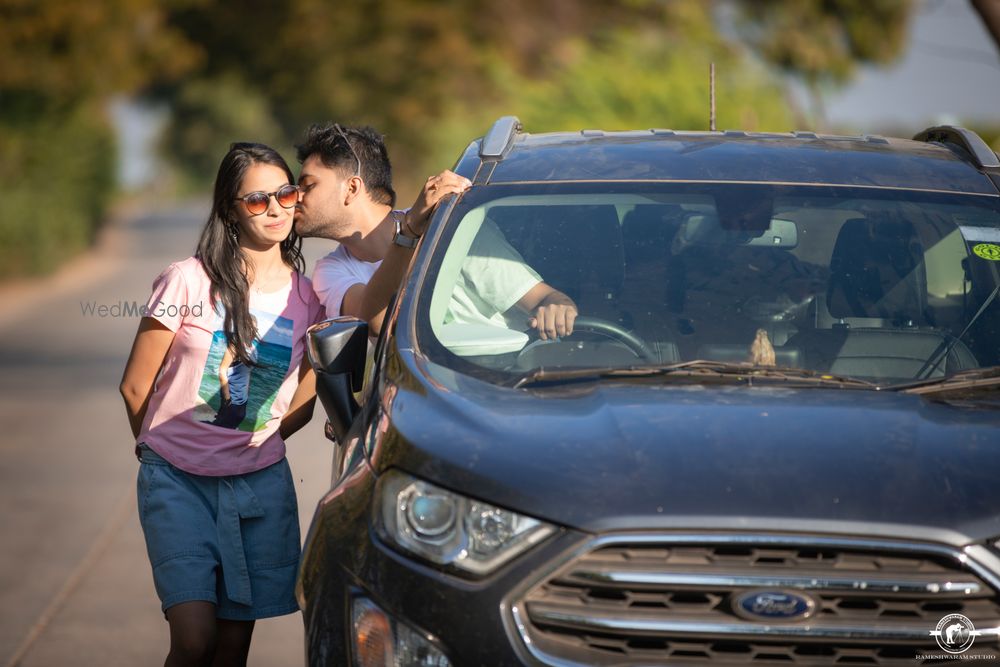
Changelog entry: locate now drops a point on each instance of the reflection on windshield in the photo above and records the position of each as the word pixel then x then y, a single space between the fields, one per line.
pixel 875 285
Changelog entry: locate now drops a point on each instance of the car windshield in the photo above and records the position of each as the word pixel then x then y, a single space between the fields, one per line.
pixel 878 284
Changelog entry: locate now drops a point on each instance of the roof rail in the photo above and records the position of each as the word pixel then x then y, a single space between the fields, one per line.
pixel 498 140
pixel 875 139
pixel 982 155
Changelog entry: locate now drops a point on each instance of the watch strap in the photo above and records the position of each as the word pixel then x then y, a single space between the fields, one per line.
pixel 399 238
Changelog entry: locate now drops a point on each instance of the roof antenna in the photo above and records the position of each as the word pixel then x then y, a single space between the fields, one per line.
pixel 711 96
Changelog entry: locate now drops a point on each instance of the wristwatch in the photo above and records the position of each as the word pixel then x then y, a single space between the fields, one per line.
pixel 398 238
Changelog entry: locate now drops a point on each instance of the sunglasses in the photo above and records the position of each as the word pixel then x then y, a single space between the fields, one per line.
pixel 257 202
pixel 357 172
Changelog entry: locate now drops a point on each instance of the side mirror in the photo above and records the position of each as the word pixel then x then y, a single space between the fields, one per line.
pixel 337 348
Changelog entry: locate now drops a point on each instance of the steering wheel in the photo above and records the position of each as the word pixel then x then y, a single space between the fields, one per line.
pixel 616 332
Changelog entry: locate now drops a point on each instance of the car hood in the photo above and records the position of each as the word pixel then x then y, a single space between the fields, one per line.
pixel 656 455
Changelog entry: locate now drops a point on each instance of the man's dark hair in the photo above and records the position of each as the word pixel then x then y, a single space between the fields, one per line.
pixel 326 142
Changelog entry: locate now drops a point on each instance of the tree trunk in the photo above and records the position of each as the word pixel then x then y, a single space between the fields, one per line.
pixel 989 12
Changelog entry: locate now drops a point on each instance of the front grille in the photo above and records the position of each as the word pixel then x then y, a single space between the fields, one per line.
pixel 675 601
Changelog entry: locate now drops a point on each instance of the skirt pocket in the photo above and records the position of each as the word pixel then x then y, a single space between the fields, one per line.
pixel 273 540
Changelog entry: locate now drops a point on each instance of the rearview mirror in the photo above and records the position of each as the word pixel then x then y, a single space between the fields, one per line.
pixel 780 234
pixel 705 230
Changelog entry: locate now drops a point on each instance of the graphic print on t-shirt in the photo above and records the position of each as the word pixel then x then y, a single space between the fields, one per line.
pixel 245 401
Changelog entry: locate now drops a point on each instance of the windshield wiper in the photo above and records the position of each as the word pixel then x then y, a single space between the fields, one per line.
pixel 945 348
pixel 973 379
pixel 698 369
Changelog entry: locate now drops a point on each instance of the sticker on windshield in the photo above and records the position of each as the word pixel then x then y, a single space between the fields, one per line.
pixel 980 234
pixel 987 251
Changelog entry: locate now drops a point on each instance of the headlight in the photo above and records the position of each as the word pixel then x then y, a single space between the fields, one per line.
pixel 450 529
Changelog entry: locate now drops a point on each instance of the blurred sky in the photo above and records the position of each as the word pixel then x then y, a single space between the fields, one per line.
pixel 950 72
pixel 138 127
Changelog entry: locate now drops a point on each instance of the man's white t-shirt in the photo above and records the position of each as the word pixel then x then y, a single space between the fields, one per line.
pixel 335 273
pixel 493 278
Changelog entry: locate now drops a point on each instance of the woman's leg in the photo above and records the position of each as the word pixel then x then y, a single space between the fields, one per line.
pixel 232 644
pixel 193 635
pixel 230 415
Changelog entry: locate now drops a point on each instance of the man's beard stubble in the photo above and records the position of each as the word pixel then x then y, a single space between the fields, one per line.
pixel 307 227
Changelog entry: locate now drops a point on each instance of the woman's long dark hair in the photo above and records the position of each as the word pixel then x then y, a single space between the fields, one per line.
pixel 219 248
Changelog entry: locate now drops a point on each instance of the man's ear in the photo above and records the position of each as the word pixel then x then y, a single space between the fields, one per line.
pixel 354 187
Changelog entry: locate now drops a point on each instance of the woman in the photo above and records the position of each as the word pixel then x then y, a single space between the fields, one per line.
pixel 234 390
pixel 216 500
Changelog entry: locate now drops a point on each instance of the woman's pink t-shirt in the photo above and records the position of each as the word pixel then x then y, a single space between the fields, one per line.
pixel 187 422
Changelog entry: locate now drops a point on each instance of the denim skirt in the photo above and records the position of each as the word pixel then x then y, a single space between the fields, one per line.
pixel 232 541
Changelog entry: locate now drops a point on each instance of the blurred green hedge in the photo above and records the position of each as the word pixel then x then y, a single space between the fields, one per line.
pixel 206 117
pixel 57 170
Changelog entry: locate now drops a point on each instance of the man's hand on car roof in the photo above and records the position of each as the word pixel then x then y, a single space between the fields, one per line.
pixel 434 191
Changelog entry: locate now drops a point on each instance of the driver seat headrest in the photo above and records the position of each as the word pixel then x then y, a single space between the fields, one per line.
pixel 877 271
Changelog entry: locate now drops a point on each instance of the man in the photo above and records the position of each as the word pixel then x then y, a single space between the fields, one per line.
pixel 347 196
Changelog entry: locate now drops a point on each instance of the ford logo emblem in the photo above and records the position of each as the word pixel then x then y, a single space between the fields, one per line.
pixel 774 606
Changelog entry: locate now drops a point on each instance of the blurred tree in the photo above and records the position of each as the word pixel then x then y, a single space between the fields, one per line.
pixel 636 79
pixel 65 50
pixel 62 59
pixel 430 74
pixel 393 64
pixel 208 115
pixel 413 67
pixel 58 173
pixel 824 41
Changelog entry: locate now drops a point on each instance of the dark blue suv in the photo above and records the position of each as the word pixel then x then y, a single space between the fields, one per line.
pixel 772 438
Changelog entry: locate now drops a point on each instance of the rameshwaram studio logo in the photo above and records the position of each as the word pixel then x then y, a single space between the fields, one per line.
pixel 955 635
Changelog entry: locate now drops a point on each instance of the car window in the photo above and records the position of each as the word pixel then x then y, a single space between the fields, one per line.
pixel 863 282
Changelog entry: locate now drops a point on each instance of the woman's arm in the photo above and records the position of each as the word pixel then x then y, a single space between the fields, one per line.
pixel 152 341
pixel 224 364
pixel 300 410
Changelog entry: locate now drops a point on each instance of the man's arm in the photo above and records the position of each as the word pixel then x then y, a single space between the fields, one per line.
pixel 369 301
pixel 553 313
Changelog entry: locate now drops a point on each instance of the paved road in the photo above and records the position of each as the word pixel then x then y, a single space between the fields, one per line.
pixel 75 584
